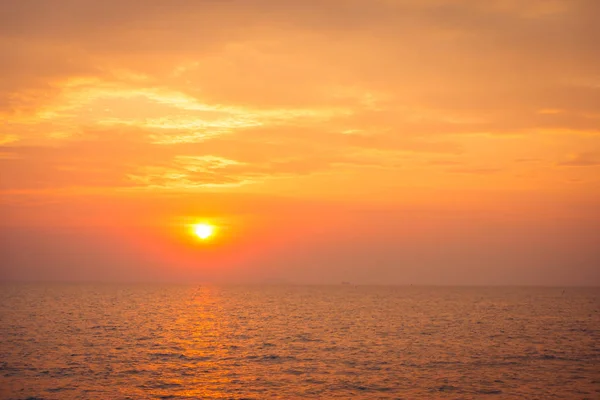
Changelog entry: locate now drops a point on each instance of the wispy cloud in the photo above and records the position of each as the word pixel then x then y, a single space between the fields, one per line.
pixel 581 160
pixel 125 94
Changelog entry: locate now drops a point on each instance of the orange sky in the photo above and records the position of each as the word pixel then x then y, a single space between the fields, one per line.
pixel 372 141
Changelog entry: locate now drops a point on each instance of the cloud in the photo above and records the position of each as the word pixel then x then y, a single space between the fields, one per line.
pixel 282 53
pixel 582 160
pixel 474 170
pixel 117 94
pixel 445 162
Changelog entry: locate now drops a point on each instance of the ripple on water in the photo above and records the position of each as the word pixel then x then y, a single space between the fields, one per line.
pixel 298 342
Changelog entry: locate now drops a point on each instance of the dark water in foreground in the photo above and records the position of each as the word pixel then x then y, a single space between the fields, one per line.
pixel 105 342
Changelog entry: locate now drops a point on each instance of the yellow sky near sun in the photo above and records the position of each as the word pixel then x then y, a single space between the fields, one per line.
pixel 460 105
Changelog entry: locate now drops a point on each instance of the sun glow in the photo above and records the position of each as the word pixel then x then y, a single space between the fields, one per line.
pixel 203 231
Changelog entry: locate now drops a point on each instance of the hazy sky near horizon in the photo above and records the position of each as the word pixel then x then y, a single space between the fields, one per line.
pixel 371 141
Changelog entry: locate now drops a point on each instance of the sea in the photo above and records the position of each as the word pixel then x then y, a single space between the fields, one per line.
pixel 84 341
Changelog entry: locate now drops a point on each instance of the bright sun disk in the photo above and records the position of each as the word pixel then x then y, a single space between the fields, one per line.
pixel 203 231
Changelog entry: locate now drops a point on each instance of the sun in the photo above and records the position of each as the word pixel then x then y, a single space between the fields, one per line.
pixel 203 231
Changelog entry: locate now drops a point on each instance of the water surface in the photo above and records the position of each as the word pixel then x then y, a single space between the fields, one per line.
pixel 268 342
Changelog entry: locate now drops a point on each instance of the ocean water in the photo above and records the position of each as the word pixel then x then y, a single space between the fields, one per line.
pixel 286 342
